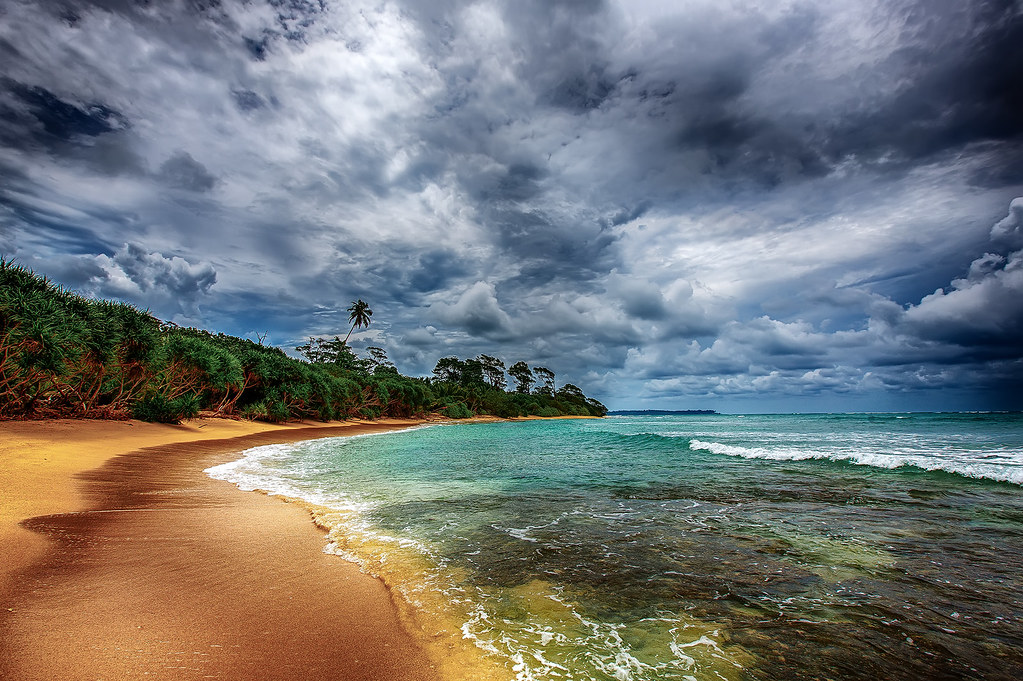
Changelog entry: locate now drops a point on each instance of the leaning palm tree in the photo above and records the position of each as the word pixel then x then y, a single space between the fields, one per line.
pixel 359 315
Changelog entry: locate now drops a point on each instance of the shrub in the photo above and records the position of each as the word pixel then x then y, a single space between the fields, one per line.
pixel 159 409
pixel 457 410
pixel 506 410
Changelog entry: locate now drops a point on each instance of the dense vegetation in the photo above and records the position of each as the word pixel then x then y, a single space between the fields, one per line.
pixel 65 355
pixel 477 386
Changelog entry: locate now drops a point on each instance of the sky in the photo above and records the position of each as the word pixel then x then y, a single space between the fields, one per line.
pixel 748 205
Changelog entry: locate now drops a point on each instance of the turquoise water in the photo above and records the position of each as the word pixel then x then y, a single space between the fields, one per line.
pixel 862 546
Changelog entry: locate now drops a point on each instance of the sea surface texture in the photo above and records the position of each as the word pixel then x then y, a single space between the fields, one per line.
pixel 853 546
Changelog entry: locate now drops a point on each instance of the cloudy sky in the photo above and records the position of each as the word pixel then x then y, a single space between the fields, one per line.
pixel 748 205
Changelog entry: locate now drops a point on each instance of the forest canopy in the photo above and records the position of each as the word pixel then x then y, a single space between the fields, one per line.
pixel 65 355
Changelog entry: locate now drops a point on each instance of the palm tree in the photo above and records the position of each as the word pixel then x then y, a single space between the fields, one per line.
pixel 359 315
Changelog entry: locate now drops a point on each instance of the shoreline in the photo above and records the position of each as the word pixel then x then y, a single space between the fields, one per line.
pixel 122 557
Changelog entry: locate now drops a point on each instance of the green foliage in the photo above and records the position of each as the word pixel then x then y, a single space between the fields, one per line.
pixel 493 369
pixel 359 315
pixel 477 384
pixel 332 351
pixel 523 376
pixel 457 410
pixel 546 377
pixel 377 362
pixel 472 375
pixel 449 369
pixel 65 355
pixel 159 409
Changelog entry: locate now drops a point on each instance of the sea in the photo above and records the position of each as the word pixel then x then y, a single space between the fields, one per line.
pixel 758 547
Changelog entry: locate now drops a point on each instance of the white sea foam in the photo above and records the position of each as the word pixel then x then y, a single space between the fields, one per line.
pixel 966 463
pixel 256 470
pixel 559 649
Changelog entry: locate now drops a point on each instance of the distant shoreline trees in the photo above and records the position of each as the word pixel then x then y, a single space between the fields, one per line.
pixel 65 355
pixel 523 376
pixel 473 386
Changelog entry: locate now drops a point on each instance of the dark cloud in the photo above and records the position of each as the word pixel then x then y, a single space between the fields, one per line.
pixel 957 72
pixel 978 316
pixel 640 299
pixel 790 200
pixel 435 269
pixel 34 115
pixel 184 172
pixel 248 100
pixel 581 92
pixel 155 271
pixel 548 250
pixel 518 182
pixel 563 57
pixel 38 222
pixel 1003 169
pixel 257 47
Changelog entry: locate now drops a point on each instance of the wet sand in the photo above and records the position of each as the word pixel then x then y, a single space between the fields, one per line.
pixel 143 567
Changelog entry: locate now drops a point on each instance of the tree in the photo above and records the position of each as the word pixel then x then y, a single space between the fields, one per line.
pixel 379 361
pixel 472 373
pixel 449 369
pixel 359 315
pixel 546 376
pixel 493 369
pixel 595 407
pixel 523 377
pixel 571 392
pixel 332 351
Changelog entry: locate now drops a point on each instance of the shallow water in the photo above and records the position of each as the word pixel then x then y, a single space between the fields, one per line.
pixel 704 547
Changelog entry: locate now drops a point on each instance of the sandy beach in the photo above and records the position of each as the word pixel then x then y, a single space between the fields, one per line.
pixel 122 559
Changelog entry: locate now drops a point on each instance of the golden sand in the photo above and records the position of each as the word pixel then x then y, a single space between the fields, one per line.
pixel 120 559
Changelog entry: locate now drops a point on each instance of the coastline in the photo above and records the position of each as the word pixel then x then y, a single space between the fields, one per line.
pixel 122 558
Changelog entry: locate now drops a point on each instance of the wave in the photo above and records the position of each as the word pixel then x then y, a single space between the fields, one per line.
pixel 255 471
pixel 969 466
pixel 434 599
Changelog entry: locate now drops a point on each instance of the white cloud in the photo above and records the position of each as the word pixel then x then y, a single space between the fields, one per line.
pixel 1009 230
pixel 476 311
pixel 988 302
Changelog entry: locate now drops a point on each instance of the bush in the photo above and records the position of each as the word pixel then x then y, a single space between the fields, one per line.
pixel 457 410
pixel 506 410
pixel 255 411
pixel 158 409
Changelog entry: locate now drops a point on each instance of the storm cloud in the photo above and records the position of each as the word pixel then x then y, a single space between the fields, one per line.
pixel 744 206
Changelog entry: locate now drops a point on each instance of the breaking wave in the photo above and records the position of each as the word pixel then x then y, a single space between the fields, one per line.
pixel 999 465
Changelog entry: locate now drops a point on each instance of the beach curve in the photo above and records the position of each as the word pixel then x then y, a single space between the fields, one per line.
pixel 121 558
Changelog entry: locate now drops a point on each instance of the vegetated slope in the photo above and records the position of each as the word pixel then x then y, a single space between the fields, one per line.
pixel 65 355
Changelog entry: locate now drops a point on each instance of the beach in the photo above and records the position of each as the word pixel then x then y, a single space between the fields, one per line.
pixel 849 546
pixel 122 559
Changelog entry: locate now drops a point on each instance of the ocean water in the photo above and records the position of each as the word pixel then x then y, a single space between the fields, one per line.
pixel 852 546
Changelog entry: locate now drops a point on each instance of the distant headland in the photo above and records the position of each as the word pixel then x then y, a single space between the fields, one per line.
pixel 661 412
